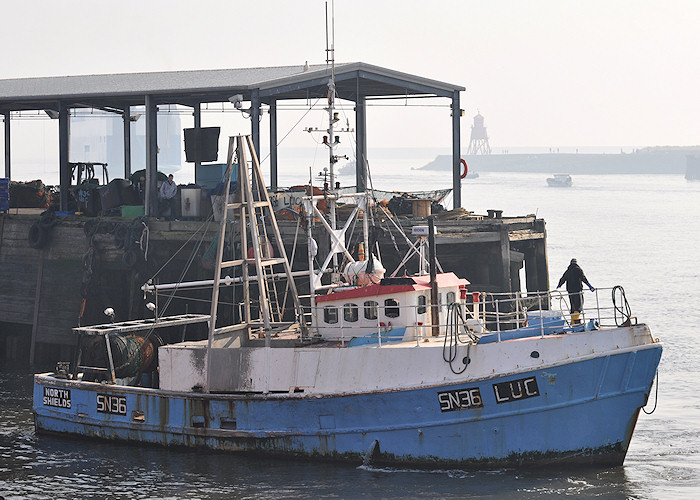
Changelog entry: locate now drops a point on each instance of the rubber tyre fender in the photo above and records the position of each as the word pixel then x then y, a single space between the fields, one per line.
pixel 48 219
pixel 131 257
pixel 37 236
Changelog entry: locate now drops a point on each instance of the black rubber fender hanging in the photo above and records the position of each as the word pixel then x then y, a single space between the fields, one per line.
pixel 131 257
pixel 38 236
pixel 48 219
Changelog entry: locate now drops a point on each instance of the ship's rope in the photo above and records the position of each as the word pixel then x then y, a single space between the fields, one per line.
pixel 656 396
pixel 455 326
pixel 623 309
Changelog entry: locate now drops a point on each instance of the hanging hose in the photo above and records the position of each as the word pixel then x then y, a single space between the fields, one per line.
pixel 455 323
pixel 623 309
pixel 656 396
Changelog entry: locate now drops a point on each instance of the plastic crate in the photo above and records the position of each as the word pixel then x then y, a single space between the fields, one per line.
pixel 133 211
pixel 4 205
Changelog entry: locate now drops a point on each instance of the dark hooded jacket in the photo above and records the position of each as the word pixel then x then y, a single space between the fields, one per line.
pixel 574 278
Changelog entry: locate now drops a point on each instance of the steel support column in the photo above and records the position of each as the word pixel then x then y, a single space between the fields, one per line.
pixel 151 200
pixel 64 174
pixel 127 141
pixel 255 120
pixel 506 285
pixel 361 145
pixel 456 167
pixel 541 258
pixel 273 144
pixel 197 114
pixel 6 114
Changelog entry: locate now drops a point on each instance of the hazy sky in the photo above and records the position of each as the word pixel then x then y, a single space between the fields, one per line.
pixel 542 72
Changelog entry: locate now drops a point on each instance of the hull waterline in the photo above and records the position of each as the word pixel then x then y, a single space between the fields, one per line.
pixel 579 413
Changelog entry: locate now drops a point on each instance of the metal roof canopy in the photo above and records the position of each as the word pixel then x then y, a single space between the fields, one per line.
pixel 119 92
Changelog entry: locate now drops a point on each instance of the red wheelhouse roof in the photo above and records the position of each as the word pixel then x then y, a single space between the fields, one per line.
pixel 444 280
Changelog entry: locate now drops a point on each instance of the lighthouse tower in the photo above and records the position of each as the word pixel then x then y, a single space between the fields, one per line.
pixel 479 142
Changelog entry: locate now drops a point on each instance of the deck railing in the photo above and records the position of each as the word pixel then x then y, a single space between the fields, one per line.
pixel 487 313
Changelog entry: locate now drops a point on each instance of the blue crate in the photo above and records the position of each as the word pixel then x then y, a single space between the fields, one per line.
pixel 4 205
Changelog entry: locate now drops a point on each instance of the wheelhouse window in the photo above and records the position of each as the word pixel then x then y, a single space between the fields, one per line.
pixel 371 309
pixel 421 304
pixel 450 298
pixel 391 308
pixel 330 315
pixel 350 312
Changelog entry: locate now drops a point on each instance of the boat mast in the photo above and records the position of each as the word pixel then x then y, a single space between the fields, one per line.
pixel 332 119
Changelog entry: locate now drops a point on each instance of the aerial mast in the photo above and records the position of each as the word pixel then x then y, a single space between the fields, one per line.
pixel 331 140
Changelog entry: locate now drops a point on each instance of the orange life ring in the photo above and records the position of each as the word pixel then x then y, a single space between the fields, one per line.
pixel 466 168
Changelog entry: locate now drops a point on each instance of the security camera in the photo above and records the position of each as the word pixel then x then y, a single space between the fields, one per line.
pixel 236 100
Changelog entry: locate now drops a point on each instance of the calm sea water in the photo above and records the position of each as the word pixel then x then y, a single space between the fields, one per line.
pixel 639 232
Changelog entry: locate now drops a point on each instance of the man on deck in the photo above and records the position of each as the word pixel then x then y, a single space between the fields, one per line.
pixel 574 278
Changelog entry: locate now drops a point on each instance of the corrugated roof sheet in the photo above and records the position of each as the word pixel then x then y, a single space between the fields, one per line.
pixel 142 83
pixel 22 91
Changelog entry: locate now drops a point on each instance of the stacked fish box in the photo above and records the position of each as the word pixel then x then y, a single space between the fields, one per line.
pixel 4 194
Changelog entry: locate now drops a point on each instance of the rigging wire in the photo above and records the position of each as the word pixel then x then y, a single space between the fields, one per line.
pixel 293 127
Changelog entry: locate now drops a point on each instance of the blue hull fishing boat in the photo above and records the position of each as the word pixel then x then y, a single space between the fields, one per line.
pixel 580 412
pixel 384 370
pixel 365 368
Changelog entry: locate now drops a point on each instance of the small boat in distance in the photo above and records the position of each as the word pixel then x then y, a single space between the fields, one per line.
pixel 559 180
